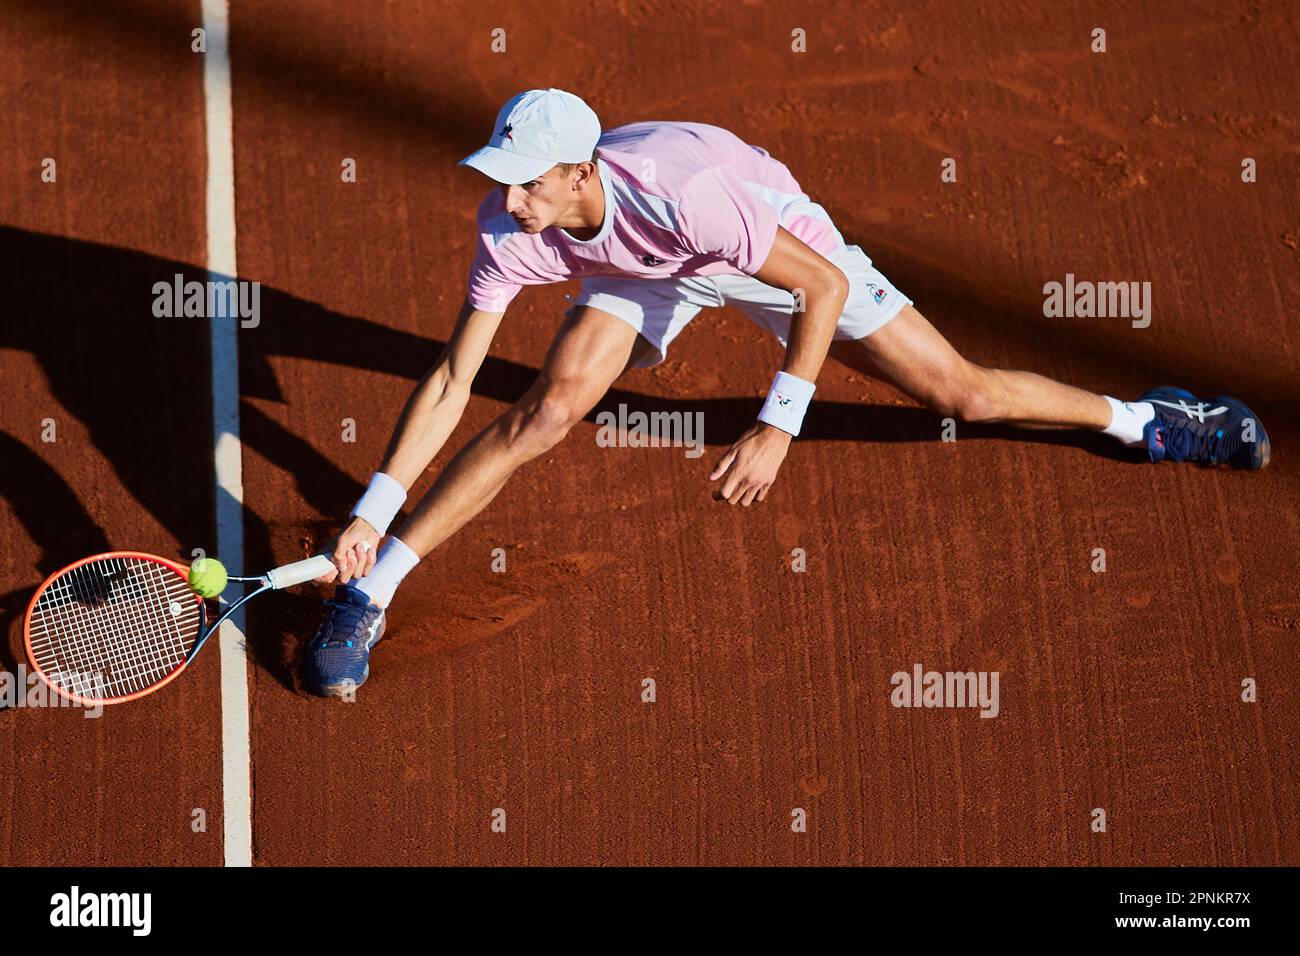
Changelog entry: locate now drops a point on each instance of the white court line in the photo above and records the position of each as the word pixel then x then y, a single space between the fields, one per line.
pixel 236 769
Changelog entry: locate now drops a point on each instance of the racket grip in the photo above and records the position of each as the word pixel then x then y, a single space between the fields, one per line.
pixel 287 575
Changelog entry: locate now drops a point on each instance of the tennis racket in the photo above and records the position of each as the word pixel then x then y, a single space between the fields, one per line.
pixel 116 626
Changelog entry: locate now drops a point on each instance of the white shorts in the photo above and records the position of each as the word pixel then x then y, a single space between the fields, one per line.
pixel 660 308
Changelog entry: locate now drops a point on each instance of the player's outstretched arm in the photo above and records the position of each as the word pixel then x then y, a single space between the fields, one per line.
pixel 749 467
pixel 430 416
pixel 434 409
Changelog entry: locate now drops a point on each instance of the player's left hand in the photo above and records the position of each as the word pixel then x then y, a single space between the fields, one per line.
pixel 750 465
pixel 353 552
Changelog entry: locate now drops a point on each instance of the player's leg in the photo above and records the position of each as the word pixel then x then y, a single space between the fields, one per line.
pixel 909 353
pixel 1168 423
pixel 591 350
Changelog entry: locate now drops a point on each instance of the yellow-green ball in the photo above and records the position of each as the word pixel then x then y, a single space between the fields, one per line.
pixel 207 577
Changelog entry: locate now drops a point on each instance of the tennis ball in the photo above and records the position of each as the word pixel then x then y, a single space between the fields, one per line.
pixel 207 577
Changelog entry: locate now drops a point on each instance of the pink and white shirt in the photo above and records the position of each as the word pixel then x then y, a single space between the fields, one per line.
pixel 681 199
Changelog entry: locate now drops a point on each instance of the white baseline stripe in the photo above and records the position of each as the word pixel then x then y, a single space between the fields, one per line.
pixel 236 768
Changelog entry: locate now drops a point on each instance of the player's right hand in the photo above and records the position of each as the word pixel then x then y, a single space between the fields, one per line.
pixel 354 552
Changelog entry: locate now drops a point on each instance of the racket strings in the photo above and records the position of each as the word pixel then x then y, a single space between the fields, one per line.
pixel 113 642
pixel 113 627
pixel 66 620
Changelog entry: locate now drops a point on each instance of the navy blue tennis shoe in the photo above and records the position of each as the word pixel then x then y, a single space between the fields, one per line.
pixel 1213 431
pixel 338 658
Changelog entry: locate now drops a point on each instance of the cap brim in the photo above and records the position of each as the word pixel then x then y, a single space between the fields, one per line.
pixel 505 166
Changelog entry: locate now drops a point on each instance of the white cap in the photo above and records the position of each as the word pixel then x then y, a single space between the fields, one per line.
pixel 534 131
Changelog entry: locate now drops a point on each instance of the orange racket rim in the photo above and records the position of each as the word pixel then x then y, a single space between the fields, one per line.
pixel 53 685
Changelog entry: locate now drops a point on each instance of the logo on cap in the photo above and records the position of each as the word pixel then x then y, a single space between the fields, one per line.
pixel 505 133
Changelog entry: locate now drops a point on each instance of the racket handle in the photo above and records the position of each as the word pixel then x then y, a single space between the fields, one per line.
pixel 287 575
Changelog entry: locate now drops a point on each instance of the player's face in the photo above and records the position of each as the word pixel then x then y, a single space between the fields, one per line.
pixel 540 202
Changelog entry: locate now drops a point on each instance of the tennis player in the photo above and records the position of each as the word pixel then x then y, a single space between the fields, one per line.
pixel 660 220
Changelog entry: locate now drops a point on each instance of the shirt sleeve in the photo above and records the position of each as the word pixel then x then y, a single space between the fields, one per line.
pixel 491 288
pixel 718 215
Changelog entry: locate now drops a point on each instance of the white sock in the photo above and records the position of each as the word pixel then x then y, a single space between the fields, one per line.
pixel 395 561
pixel 1127 419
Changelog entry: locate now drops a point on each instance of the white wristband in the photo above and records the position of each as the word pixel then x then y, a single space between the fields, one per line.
pixel 787 400
pixel 381 502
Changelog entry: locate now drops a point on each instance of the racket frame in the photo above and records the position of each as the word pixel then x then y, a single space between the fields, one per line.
pixel 206 630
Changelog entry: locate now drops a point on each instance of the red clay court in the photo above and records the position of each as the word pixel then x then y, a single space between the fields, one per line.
pixel 522 691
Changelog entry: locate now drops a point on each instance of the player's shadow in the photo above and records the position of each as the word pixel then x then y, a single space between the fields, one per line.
pixel 52 516
pixel 129 399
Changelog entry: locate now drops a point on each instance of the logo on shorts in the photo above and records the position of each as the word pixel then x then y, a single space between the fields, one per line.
pixel 652 260
pixel 878 294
